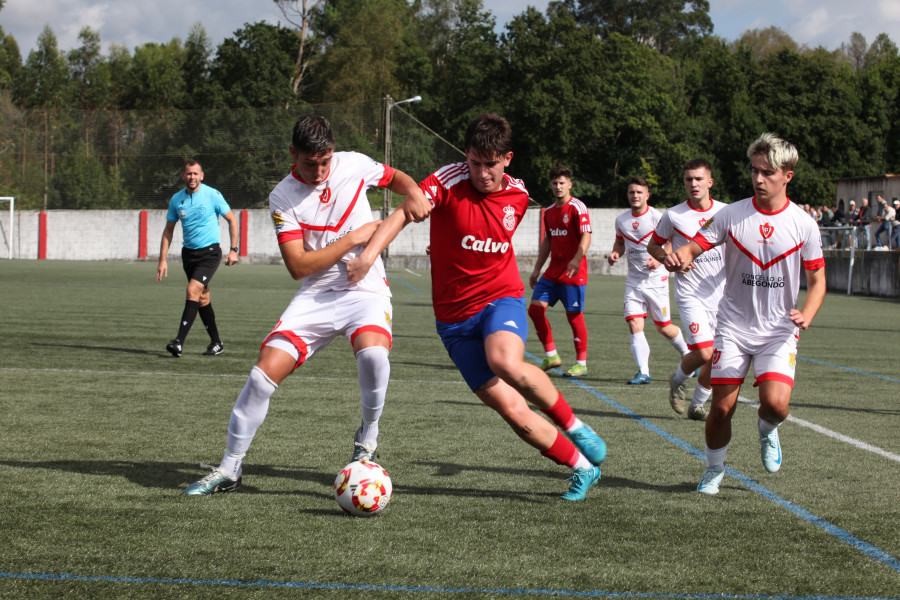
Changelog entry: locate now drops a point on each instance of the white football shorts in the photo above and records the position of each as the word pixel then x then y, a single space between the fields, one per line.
pixel 699 324
pixel 774 358
pixel 641 301
pixel 312 321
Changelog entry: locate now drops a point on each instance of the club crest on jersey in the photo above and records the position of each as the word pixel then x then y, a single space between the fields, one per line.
pixel 325 196
pixel 695 327
pixel 277 220
pixel 704 221
pixel 565 219
pixel 717 354
pixel 635 225
pixel 766 230
pixel 509 218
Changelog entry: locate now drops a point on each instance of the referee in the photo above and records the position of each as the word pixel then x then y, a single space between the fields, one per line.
pixel 198 207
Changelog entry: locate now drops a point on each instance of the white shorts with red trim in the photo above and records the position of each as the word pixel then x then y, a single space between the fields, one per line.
pixel 312 321
pixel 773 359
pixel 641 301
pixel 699 324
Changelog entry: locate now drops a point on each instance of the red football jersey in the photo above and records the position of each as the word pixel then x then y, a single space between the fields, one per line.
pixel 472 258
pixel 564 225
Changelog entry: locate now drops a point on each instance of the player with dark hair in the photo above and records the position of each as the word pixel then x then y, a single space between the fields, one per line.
pixel 322 220
pixel 771 239
pixel 698 291
pixel 646 286
pixel 479 302
pixel 198 207
pixel 566 239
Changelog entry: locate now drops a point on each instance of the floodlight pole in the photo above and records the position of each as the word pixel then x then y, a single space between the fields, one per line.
pixel 389 104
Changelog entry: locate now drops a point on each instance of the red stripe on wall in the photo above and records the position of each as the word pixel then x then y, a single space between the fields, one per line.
pixel 541 225
pixel 42 235
pixel 142 234
pixel 245 217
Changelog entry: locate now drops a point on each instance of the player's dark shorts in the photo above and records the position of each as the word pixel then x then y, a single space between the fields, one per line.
pixel 201 264
pixel 572 296
pixel 464 341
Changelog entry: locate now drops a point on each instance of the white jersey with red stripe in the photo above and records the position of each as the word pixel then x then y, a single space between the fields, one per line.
pixel 472 258
pixel 706 281
pixel 762 265
pixel 322 214
pixel 635 232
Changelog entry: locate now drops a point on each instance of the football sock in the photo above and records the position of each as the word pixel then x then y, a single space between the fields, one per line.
pixel 562 452
pixel 579 333
pixel 716 458
pixel 187 318
pixel 575 424
pixel 679 343
pixel 640 350
pixel 560 413
pixel 208 316
pixel 680 376
pixel 247 415
pixel 766 427
pixel 373 371
pixel 538 316
pixel 701 395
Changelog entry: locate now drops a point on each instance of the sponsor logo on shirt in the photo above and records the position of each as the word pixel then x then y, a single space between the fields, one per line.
pixel 708 223
pixel 559 232
pixel 470 242
pixel 762 280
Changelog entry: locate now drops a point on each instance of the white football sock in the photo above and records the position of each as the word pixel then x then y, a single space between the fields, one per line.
pixel 679 343
pixel 640 350
pixel 247 415
pixel 374 371
pixel 680 376
pixel 701 395
pixel 716 458
pixel 766 427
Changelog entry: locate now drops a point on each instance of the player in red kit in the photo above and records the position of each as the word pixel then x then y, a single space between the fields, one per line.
pixel 566 239
pixel 479 301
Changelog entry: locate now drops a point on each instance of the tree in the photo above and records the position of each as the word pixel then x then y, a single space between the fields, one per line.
pixel 659 24
pixel 763 43
pixel 263 50
pixel 89 72
pixel 43 81
pixel 300 14
pixel 10 60
pixel 855 50
pixel 154 80
pixel 197 69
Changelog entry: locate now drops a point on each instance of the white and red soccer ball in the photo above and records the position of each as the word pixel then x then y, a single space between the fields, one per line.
pixel 363 489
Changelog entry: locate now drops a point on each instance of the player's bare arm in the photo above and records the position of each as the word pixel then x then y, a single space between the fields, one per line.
pixel 301 263
pixel 416 206
pixel 616 254
pixel 656 250
pixel 162 269
pixel 543 253
pixel 389 229
pixel 232 256
pixel 583 245
pixel 815 295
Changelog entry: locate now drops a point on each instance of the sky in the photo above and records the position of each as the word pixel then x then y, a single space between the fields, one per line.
pixel 813 23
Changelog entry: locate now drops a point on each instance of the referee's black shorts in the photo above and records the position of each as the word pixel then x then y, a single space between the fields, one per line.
pixel 201 264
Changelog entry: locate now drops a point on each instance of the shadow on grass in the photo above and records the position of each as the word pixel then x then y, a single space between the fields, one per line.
pixel 104 348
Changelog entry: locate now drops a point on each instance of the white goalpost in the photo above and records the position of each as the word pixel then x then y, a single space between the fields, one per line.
pixel 11 234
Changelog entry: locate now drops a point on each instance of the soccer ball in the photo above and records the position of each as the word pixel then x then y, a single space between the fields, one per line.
pixel 363 489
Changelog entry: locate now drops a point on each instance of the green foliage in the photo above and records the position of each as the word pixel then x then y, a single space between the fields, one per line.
pixel 43 81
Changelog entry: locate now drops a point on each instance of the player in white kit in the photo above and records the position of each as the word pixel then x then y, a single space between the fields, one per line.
pixel 771 240
pixel 646 285
pixel 697 292
pixel 322 220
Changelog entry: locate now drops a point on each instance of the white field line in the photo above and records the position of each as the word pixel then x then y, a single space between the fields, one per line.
pixel 832 434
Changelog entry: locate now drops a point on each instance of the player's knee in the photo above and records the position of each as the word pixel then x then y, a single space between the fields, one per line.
pixel 536 311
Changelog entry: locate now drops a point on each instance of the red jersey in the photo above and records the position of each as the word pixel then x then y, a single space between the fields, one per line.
pixel 564 225
pixel 472 258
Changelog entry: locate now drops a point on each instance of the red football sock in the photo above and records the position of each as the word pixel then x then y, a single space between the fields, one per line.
pixel 579 332
pixel 560 413
pixel 562 452
pixel 538 316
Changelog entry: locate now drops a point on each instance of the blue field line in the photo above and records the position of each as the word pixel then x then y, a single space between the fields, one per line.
pixel 841 534
pixel 418 588
pixel 857 371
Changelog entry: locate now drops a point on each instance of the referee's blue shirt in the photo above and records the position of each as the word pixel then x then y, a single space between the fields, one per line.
pixel 199 215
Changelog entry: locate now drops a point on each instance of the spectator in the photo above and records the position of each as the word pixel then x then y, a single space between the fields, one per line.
pixel 862 221
pixel 895 236
pixel 886 217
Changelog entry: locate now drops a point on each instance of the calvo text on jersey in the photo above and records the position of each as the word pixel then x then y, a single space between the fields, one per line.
pixel 470 242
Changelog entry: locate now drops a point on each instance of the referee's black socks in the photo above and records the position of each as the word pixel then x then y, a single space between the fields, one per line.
pixel 187 318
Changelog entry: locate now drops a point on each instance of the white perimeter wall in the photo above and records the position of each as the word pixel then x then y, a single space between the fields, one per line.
pixel 114 235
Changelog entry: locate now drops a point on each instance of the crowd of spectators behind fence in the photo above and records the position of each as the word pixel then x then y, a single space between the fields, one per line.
pixel 864 226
